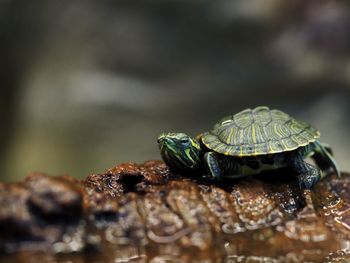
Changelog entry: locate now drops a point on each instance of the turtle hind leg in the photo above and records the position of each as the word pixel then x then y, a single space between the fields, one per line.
pixel 308 174
pixel 308 179
pixel 324 159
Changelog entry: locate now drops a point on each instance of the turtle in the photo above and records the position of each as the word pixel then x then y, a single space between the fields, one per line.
pixel 248 143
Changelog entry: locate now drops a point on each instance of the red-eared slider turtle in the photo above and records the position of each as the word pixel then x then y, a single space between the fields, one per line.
pixel 248 143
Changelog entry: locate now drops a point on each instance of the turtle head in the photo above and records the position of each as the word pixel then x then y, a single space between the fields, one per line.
pixel 179 151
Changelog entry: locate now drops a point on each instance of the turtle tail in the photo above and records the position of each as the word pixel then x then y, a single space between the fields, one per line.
pixel 324 158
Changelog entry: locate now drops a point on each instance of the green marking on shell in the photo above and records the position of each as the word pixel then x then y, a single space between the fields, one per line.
pixel 257 132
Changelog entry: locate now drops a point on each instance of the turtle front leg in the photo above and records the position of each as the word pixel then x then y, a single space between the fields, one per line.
pixel 308 174
pixel 211 160
pixel 220 166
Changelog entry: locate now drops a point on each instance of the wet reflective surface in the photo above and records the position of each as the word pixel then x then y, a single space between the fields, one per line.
pixel 144 213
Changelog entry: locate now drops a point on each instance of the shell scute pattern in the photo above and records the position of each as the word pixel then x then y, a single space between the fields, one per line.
pixel 257 132
pixel 262 115
pixel 244 118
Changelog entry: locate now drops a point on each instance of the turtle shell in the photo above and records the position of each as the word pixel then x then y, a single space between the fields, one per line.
pixel 258 132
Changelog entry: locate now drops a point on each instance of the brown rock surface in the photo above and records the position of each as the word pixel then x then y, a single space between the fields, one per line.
pixel 145 213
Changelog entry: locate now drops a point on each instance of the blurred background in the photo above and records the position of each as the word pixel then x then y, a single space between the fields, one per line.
pixel 86 85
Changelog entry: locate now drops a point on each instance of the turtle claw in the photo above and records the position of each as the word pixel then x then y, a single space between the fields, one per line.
pixel 210 179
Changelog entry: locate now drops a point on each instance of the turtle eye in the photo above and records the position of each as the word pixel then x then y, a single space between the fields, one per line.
pixel 184 140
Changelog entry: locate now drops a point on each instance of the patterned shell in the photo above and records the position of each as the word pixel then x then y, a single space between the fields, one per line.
pixel 257 132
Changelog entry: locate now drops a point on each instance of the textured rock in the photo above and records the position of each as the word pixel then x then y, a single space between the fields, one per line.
pixel 145 213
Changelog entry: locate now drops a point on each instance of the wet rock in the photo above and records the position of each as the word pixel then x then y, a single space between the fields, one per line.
pixel 39 212
pixel 146 213
pixel 54 197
